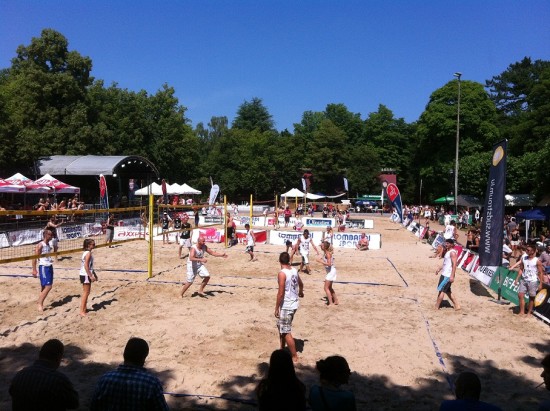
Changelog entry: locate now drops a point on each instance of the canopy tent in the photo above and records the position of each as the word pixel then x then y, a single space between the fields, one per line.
pixel 463 201
pixel 539 213
pixel 30 186
pixel 95 165
pixel 156 189
pixel 295 193
pixel 58 187
pixel 7 187
pixel 183 189
pixel 153 188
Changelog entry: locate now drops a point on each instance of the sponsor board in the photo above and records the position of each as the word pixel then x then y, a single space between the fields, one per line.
pixel 256 221
pixel 24 237
pixel 485 274
pixel 340 240
pixel 359 223
pixel 281 237
pixel 4 240
pixel 318 222
pixel 350 240
pixel 128 233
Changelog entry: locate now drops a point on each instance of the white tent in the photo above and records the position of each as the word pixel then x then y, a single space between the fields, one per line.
pixel 7 187
pixel 59 187
pixel 293 193
pixel 154 188
pixel 297 193
pixel 183 189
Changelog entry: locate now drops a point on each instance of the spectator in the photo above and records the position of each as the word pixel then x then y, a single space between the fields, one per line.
pixel 363 243
pixel 333 372
pixel 130 386
pixel 40 386
pixel 529 278
pixel 281 390
pixel 467 391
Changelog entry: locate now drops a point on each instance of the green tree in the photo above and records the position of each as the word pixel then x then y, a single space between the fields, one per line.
pixel 436 133
pixel 44 100
pixel 252 116
pixel 520 94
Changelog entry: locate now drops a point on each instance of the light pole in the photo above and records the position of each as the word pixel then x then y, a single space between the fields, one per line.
pixel 457 75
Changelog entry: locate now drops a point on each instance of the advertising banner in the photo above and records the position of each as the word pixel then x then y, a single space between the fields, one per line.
pixel 492 228
pixel 128 233
pixel 395 197
pixel 103 193
pixel 281 237
pixel 4 240
pixel 542 303
pixel 24 237
pixel 256 221
pixel 318 222
pixel 359 224
pixel 439 240
pixel 349 240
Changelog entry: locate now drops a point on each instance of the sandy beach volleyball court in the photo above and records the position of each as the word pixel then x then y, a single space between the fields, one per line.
pixel 402 353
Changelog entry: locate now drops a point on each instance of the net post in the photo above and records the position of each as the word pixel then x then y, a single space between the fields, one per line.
pixel 151 238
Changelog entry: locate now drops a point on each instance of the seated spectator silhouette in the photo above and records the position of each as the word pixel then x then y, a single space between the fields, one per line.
pixel 281 390
pixel 545 405
pixel 467 391
pixel 40 386
pixel 130 386
pixel 333 372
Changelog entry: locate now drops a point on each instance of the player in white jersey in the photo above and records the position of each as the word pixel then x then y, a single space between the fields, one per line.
pixel 250 242
pixel 328 262
pixel 195 265
pixel 45 267
pixel 529 278
pixel 289 291
pixel 302 245
pixel 447 275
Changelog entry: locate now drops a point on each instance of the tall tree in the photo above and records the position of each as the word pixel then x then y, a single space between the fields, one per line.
pixel 44 95
pixel 252 116
pixel 436 133
pixel 515 92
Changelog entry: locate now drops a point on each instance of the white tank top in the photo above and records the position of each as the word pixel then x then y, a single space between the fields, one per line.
pixel 304 245
pixel 45 250
pixel 530 269
pixel 290 301
pixel 83 263
pixel 447 268
pixel 199 253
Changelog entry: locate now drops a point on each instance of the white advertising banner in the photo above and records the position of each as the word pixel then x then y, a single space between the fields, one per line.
pixel 349 240
pixel 24 237
pixel 281 237
pixel 359 223
pixel 4 240
pixel 318 222
pixel 340 240
pixel 129 232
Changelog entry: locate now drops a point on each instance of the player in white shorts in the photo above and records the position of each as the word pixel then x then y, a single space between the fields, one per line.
pixel 328 262
pixel 195 265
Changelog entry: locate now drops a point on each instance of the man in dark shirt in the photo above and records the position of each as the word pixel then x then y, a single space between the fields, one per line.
pixel 41 386
pixel 130 386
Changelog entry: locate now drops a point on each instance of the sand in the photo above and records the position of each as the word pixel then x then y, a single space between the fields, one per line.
pixel 401 351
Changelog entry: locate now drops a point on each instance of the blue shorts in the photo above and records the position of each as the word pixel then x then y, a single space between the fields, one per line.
pixel 45 272
pixel 444 284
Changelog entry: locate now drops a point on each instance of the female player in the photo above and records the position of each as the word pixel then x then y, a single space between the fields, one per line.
pixel 87 274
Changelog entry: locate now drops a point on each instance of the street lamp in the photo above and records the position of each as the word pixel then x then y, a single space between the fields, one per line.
pixel 457 75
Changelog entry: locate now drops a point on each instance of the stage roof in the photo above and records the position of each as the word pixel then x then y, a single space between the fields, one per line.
pixel 94 165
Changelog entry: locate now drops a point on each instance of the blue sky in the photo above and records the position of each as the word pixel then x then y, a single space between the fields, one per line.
pixel 296 55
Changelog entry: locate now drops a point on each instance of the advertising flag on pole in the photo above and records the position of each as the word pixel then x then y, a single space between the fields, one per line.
pixel 213 194
pixel 346 187
pixel 103 194
pixel 395 197
pixel 492 227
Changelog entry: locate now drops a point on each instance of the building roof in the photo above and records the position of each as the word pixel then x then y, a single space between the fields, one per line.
pixel 94 165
